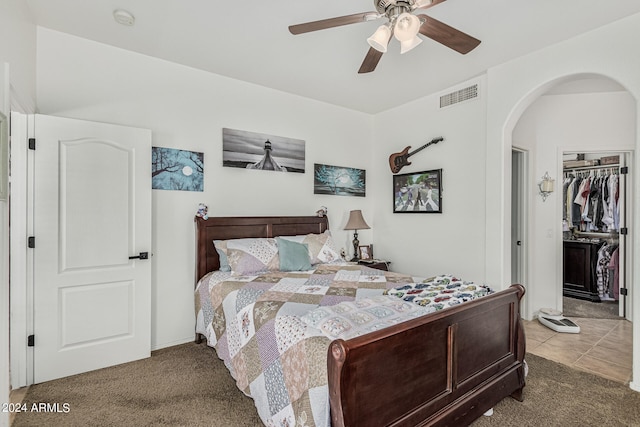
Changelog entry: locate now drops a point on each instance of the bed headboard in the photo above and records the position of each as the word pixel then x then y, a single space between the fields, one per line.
pixel 224 228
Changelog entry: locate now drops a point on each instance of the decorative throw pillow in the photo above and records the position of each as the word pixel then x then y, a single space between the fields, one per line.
pixel 293 256
pixel 224 262
pixel 439 292
pixel 250 255
pixel 322 249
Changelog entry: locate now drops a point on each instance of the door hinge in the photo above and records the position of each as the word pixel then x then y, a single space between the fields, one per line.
pixel 32 143
pixel 624 170
pixel 623 291
pixel 31 242
pixel 31 340
pixel 624 231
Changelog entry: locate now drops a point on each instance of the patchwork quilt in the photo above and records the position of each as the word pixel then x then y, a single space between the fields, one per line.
pixel 273 329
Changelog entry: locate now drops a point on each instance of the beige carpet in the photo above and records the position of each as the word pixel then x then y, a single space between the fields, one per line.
pixel 573 307
pixel 188 385
pixel 185 385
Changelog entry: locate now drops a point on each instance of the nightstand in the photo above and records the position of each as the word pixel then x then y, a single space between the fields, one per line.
pixel 378 264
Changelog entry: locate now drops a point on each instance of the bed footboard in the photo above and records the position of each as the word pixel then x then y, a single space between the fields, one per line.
pixel 444 369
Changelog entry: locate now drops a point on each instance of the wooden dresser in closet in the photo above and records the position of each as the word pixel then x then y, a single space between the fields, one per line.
pixel 579 275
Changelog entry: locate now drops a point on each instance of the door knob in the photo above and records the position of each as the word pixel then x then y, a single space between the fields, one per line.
pixel 142 255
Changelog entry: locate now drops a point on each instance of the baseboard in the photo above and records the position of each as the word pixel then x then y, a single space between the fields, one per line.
pixel 634 386
pixel 171 344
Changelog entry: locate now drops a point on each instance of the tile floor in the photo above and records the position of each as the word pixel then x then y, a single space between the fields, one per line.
pixel 603 346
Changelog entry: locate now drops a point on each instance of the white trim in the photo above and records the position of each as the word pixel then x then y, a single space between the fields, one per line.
pixel 20 307
pixel 4 262
pixel 173 343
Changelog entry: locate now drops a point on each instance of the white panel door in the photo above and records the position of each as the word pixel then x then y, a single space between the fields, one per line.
pixel 92 211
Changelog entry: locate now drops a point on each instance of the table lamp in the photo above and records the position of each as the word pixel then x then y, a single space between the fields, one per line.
pixel 356 222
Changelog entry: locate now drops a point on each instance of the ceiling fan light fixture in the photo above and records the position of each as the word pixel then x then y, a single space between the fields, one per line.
pixel 380 39
pixel 421 3
pixel 406 46
pixel 407 27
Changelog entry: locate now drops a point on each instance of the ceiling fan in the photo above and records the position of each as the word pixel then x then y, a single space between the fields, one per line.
pixel 402 24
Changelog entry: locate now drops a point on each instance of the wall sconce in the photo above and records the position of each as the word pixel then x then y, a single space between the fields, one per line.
pixel 546 186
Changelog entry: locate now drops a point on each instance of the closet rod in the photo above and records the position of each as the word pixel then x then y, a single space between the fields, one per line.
pixel 584 168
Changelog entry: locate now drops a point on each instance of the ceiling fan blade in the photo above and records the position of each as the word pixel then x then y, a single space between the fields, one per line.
pixel 333 22
pixel 370 61
pixel 426 4
pixel 448 36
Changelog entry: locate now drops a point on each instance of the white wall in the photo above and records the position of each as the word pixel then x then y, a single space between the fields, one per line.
pixel 18 49
pixel 431 244
pixel 187 109
pixel 565 123
pixel 513 86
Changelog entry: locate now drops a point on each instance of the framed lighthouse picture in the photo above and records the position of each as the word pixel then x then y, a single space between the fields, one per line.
pixel 251 150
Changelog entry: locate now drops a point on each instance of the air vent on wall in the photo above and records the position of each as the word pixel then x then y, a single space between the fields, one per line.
pixel 458 96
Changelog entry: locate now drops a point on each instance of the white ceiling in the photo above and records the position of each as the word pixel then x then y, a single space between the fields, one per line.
pixel 249 40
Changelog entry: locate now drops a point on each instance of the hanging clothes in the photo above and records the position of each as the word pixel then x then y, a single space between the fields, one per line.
pixel 591 201
pixel 614 268
pixel 602 272
pixel 605 292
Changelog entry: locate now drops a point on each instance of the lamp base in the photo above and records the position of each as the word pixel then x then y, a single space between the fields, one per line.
pixel 356 243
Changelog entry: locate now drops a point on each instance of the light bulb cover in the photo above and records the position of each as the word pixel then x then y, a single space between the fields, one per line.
pixel 407 27
pixel 406 46
pixel 422 3
pixel 380 39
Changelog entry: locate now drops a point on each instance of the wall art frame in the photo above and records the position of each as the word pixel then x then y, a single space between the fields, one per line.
pixel 175 169
pixel 418 192
pixel 339 180
pixel 260 151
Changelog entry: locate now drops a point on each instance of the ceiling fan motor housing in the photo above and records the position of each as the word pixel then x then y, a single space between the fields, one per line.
pixel 392 8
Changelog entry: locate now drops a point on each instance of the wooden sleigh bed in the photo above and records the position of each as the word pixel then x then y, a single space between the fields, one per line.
pixel 446 368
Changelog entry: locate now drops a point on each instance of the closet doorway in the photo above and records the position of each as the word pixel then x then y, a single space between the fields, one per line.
pixel 519 209
pixel 594 234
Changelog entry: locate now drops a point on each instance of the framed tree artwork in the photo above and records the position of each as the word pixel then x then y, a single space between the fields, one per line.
pixel 173 169
pixel 338 180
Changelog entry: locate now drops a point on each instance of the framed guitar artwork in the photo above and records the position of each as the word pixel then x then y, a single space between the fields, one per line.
pixel 399 160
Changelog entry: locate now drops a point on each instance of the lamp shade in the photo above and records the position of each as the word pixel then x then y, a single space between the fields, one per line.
pixel 407 27
pixel 356 221
pixel 380 39
pixel 547 186
pixel 407 45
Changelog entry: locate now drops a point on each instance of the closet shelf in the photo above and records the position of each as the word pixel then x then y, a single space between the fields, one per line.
pixel 585 168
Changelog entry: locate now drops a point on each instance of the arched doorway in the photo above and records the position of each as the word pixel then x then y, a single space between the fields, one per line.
pixel 574 114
